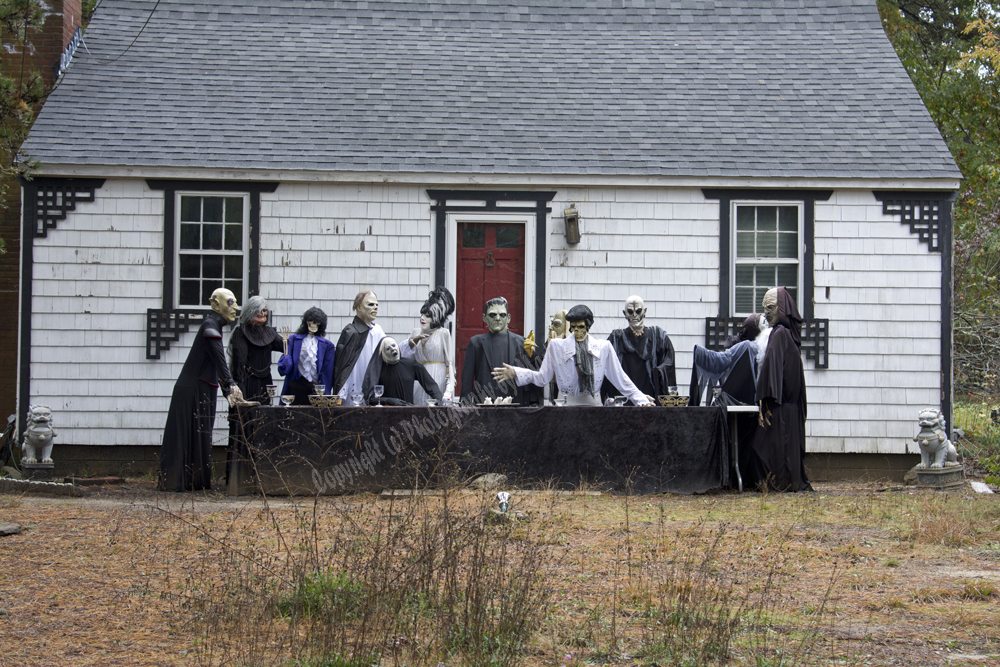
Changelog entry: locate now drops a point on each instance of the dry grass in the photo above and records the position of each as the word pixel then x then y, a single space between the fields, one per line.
pixel 861 576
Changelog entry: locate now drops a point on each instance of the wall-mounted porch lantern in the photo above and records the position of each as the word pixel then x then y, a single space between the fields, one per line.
pixel 572 224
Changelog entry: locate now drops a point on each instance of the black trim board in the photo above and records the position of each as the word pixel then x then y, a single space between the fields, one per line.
pixel 441 207
pixel 29 232
pixel 944 231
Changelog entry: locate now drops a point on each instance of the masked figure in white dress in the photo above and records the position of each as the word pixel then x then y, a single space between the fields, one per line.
pixel 431 344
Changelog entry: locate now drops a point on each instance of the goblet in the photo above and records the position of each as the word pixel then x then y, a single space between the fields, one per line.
pixel 619 401
pixel 560 402
pixel 320 389
pixel 287 399
pixel 431 402
pixel 672 390
pixel 272 390
pixel 379 390
pixel 357 399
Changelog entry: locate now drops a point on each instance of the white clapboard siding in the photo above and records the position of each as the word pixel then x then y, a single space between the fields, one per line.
pixel 98 272
pixel 884 307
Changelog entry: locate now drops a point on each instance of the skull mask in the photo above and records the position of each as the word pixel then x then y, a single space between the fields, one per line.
pixel 770 304
pixel 368 309
pixel 635 313
pixel 390 351
pixel 579 329
pixel 313 327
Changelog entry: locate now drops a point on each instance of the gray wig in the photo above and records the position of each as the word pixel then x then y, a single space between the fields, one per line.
pixel 251 309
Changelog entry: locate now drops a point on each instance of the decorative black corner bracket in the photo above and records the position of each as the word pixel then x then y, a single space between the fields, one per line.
pixel 164 327
pixel 815 337
pixel 922 211
pixel 55 197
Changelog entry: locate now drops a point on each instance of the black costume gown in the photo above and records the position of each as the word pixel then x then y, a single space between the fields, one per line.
pixel 250 350
pixel 488 351
pixel 397 381
pixel 778 449
pixel 186 451
pixel 648 360
pixel 349 346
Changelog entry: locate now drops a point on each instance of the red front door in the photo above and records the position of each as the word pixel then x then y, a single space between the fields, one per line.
pixel 490 264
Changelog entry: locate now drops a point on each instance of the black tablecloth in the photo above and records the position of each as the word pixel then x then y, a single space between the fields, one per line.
pixel 307 450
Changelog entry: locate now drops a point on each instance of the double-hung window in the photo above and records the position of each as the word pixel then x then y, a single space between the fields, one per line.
pixel 766 253
pixel 213 235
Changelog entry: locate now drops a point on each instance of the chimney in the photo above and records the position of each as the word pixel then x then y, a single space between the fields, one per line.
pixel 47 45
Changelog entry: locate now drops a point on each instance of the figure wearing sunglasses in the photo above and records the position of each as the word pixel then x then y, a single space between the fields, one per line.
pixel 579 363
pixel 489 350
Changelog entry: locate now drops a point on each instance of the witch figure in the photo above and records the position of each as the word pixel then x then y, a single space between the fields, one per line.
pixel 431 344
pixel 250 349
pixel 779 446
pixel 186 450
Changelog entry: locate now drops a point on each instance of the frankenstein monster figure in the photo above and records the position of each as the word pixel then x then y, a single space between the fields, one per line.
pixel 579 363
pixel 490 350
pixel 186 451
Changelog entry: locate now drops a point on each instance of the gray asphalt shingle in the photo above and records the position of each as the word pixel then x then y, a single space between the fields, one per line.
pixel 727 88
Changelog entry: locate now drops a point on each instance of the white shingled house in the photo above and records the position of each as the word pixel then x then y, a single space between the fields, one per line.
pixel 306 149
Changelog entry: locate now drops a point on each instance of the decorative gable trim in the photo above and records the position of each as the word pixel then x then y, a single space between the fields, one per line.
pixel 47 201
pixel 815 337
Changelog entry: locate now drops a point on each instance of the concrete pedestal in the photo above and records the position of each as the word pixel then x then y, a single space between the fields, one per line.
pixel 39 472
pixel 940 478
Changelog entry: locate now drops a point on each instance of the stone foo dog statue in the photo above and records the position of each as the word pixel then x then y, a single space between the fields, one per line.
pixel 37 444
pixel 936 450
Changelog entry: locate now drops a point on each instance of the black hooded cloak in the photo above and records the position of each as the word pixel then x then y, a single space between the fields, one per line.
pixel 397 381
pixel 779 447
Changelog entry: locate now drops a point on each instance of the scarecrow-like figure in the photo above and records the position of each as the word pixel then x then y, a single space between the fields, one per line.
pixel 396 375
pixel 491 350
pixel 431 344
pixel 186 450
pixel 579 365
pixel 358 342
pixel 779 445
pixel 645 352
pixel 309 359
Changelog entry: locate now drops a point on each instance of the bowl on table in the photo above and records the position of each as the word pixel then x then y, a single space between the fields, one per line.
pixel 672 400
pixel 321 401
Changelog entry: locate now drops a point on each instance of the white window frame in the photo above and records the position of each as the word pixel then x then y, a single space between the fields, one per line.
pixel 178 253
pixel 734 260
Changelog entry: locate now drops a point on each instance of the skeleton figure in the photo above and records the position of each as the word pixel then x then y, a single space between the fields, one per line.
pixel 309 358
pixel 579 365
pixel 645 352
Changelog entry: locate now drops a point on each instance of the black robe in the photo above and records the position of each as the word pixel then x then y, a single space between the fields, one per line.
pixel 648 360
pixel 477 371
pixel 397 380
pixel 778 449
pixel 250 366
pixel 186 451
pixel 349 346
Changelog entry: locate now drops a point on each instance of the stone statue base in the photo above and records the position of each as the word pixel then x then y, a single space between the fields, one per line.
pixel 940 478
pixel 39 472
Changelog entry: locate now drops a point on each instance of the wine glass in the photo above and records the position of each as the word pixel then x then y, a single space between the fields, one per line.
pixel 320 389
pixel 431 402
pixel 379 390
pixel 287 399
pixel 619 401
pixel 357 399
pixel 672 390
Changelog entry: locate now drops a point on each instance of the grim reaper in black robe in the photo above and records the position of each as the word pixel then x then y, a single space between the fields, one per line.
pixel 779 446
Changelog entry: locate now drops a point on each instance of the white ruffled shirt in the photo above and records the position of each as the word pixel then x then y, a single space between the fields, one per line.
pixel 560 361
pixel 307 359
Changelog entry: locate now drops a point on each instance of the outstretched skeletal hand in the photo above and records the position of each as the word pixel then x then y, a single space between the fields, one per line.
pixel 285 333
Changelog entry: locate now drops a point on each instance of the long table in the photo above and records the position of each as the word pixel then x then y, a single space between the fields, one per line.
pixel 307 450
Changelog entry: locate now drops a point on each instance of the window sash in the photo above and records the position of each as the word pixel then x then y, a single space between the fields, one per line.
pixel 748 232
pixel 183 256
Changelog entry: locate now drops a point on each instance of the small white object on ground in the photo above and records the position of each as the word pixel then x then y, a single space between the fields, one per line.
pixel 980 487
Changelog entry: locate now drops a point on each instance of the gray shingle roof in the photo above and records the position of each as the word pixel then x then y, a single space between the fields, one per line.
pixel 727 88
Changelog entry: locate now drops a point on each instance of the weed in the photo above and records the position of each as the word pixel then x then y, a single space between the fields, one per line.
pixel 979 590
